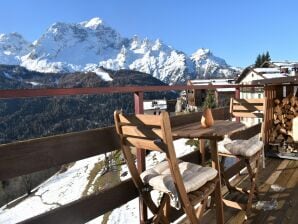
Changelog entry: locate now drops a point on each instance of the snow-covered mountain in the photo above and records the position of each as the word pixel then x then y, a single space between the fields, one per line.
pixel 90 44
pixel 12 47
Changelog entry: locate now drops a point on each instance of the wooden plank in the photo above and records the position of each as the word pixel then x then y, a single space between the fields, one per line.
pixel 216 131
pixel 140 119
pixel 235 169
pixel 24 93
pixel 25 157
pixel 247 133
pixel 145 144
pixel 90 207
pixel 282 180
pixel 218 114
pixel 248 101
pixel 152 133
pixel 290 208
pixel 248 107
pixel 247 114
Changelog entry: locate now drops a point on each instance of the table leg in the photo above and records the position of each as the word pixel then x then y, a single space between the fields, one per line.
pixel 202 151
pixel 217 193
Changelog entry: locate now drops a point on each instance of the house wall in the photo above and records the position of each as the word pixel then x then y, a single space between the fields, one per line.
pixel 251 76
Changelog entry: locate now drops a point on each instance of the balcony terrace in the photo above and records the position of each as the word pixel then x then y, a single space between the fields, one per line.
pixel 25 157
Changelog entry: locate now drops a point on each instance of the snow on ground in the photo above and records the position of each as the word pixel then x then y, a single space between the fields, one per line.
pixel 68 186
pixel 60 189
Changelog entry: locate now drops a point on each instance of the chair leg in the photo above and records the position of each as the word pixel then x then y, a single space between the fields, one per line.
pixel 162 214
pixel 224 177
pixel 201 209
pixel 253 188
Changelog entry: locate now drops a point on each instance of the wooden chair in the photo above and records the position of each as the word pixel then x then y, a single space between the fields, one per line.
pixel 190 183
pixel 248 150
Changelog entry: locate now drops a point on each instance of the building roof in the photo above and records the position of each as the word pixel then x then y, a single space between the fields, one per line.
pixel 205 82
pixel 211 81
pixel 265 73
pixel 277 81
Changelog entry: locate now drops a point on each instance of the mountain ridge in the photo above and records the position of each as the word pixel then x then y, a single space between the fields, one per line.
pixel 88 45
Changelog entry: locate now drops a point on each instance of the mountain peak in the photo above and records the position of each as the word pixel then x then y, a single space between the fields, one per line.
pixel 93 23
pixel 201 52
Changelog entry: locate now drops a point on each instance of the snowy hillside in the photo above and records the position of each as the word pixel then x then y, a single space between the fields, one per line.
pixel 87 45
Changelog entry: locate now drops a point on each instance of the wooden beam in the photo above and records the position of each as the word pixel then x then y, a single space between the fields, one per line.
pixel 89 207
pixel 28 156
pixel 218 114
pixel 24 93
pixel 247 133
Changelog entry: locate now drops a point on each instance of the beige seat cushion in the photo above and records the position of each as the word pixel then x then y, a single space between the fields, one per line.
pixel 246 148
pixel 194 176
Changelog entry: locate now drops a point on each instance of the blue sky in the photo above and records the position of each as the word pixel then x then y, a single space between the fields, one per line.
pixel 233 29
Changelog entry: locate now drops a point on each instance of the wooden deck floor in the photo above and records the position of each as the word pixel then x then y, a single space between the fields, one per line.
pixel 283 173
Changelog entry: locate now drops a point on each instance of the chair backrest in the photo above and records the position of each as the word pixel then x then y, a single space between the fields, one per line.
pixel 148 132
pixel 250 108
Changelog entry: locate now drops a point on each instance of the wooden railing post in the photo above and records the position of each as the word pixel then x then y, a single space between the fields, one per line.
pixel 237 96
pixel 141 163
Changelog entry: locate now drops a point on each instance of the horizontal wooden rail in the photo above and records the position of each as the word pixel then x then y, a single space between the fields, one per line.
pixel 28 156
pixel 89 207
pixel 97 204
pixel 33 155
pixel 24 93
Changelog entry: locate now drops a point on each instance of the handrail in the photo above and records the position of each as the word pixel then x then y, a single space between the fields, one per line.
pixel 24 93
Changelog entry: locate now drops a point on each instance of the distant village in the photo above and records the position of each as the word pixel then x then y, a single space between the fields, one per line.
pixel 193 99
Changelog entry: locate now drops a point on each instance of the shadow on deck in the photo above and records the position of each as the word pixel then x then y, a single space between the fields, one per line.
pixel 279 173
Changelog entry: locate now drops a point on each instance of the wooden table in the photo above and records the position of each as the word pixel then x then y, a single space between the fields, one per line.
pixel 214 133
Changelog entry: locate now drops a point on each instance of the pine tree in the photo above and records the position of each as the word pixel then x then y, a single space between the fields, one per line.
pixel 258 61
pixel 267 56
pixel 261 58
pixel 210 100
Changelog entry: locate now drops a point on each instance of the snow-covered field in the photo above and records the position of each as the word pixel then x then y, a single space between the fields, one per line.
pixel 72 184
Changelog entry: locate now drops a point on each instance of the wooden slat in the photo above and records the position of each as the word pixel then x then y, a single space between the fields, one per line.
pixel 247 114
pixel 218 114
pixel 25 157
pixel 152 133
pixel 145 144
pixel 247 133
pixel 234 169
pixel 248 101
pixel 140 119
pixel 90 207
pixel 23 93
pixel 248 107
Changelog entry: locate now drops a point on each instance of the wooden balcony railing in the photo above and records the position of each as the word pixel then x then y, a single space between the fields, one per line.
pixel 24 157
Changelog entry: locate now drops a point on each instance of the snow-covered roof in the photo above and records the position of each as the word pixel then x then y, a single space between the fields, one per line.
pixel 274 75
pixel 204 82
pixel 155 104
pixel 267 70
pixel 225 89
pixel 211 81
pixel 285 63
